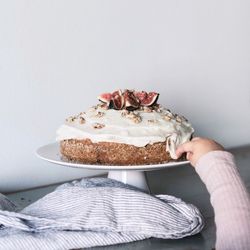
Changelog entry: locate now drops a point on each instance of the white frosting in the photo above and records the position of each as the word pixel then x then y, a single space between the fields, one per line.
pixel 152 128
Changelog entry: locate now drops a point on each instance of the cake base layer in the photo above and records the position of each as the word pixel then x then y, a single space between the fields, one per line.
pixel 109 153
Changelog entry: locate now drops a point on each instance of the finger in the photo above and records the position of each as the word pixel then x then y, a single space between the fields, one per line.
pixel 196 138
pixel 189 155
pixel 185 147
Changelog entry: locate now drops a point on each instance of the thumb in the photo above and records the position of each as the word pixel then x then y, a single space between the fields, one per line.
pixel 184 148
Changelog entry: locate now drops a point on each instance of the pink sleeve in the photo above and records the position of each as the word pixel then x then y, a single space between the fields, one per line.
pixel 229 198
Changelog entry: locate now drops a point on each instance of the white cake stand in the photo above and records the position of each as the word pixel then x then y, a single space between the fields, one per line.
pixel 133 175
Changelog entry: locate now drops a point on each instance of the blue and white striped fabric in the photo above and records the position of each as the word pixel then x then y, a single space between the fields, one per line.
pixel 95 212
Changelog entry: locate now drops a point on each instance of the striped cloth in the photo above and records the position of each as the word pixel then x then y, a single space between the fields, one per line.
pixel 95 212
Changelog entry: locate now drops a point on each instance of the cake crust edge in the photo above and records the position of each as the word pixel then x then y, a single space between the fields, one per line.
pixel 110 153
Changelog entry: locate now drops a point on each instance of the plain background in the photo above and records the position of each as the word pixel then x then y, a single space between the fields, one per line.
pixel 57 56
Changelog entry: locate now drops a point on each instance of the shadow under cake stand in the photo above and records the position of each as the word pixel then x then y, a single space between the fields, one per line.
pixel 133 175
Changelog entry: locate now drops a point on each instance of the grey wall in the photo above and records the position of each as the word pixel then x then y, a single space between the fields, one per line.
pixel 57 56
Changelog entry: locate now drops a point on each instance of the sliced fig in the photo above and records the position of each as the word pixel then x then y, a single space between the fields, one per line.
pixel 141 95
pixel 150 100
pixel 131 101
pixel 105 98
pixel 118 101
pixel 117 92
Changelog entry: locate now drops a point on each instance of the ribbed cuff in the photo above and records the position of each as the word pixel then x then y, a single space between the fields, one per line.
pixel 221 160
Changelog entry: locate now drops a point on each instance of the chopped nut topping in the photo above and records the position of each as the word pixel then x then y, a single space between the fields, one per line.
pixel 152 121
pixel 178 119
pixel 170 115
pixel 167 118
pixel 70 119
pixel 157 108
pixel 81 120
pixel 103 106
pixel 157 105
pixel 99 114
pixel 98 125
pixel 93 108
pixel 184 118
pixel 124 113
pixel 137 119
pixel 134 116
pixel 130 115
pixel 147 109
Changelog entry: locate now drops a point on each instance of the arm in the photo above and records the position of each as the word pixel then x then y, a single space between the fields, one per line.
pixel 229 196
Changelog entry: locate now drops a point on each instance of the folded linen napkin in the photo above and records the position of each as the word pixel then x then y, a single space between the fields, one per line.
pixel 95 212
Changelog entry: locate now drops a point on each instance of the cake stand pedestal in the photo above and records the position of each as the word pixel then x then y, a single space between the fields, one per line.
pixel 132 175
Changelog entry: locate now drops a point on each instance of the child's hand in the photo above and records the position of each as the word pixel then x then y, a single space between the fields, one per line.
pixel 196 148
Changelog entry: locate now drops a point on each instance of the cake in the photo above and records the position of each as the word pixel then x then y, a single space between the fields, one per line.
pixel 125 128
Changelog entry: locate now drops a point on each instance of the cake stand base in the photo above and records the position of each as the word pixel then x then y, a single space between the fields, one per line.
pixel 131 177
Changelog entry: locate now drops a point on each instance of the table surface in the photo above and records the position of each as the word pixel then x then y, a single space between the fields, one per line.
pixel 182 182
